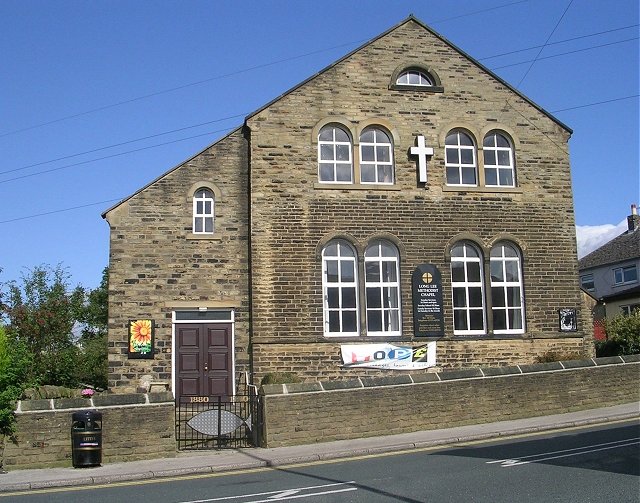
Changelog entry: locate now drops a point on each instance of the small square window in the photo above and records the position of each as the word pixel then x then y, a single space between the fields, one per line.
pixel 623 275
pixel 586 281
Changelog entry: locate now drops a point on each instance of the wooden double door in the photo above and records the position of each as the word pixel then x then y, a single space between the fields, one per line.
pixel 204 360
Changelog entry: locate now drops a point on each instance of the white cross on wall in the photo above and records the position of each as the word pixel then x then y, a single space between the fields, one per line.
pixel 422 151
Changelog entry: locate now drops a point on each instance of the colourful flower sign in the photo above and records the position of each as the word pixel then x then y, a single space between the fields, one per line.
pixel 141 339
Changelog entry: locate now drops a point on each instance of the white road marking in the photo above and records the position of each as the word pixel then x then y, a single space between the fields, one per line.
pixel 576 451
pixel 282 494
pixel 285 494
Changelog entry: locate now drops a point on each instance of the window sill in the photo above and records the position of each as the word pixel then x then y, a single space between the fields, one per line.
pixel 524 336
pixel 355 186
pixel 476 188
pixel 420 89
pixel 625 284
pixel 202 237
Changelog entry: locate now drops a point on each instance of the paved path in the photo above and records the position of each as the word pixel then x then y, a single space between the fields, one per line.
pixel 228 460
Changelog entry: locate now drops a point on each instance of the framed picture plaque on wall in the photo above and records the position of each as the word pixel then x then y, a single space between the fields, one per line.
pixel 141 338
pixel 568 320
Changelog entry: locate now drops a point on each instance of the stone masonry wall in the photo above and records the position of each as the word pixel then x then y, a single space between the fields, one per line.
pixel 134 427
pixel 369 406
pixel 308 361
pixel 293 214
pixel 157 265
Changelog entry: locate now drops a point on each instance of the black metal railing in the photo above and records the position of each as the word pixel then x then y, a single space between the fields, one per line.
pixel 218 422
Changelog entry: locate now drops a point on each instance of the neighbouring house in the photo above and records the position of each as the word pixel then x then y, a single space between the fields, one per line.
pixel 610 274
pixel 403 208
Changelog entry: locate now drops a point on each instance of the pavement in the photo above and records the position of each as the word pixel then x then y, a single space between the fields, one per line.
pixel 203 462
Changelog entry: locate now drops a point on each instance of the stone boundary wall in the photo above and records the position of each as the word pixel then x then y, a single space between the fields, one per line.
pixel 142 426
pixel 305 413
pixel 134 427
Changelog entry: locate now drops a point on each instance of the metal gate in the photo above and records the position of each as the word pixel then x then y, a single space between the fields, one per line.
pixel 219 422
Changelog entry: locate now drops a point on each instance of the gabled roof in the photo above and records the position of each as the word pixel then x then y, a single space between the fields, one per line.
pixel 625 247
pixel 104 214
pixel 412 18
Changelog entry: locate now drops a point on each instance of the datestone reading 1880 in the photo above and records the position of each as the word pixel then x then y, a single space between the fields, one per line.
pixel 428 315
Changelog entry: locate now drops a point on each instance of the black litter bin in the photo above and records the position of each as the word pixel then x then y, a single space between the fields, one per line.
pixel 86 438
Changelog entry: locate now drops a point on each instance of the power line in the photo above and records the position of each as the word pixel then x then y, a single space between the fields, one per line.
pixel 172 89
pixel 559 42
pixel 276 62
pixel 218 77
pixel 596 103
pixel 59 211
pixel 122 143
pixel 112 155
pixel 121 198
pixel 508 103
pixel 244 114
pixel 544 45
pixel 205 134
pixel 565 53
pixel 477 12
pixel 210 133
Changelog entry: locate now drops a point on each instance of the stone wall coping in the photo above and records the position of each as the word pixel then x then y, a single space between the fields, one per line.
pixel 575 364
pixel 500 371
pixel 101 401
pixel 460 374
pixel 608 360
pixel 540 367
pixel 393 380
pixel 303 387
pixel 447 375
pixel 341 384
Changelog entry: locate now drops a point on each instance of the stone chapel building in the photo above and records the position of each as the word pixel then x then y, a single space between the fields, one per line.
pixel 314 225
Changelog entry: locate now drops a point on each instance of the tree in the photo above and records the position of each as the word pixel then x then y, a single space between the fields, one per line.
pixel 15 362
pixel 39 343
pixel 94 317
pixel 42 313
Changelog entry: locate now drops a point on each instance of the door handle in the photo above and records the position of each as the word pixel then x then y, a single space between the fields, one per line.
pixel 206 367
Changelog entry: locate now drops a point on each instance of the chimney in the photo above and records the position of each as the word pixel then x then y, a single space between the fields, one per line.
pixel 633 220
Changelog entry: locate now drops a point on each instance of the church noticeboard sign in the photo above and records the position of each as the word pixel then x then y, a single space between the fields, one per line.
pixel 428 314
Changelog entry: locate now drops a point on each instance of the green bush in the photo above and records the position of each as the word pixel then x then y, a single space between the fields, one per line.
pixel 623 336
pixel 15 362
pixel 92 362
pixel 60 368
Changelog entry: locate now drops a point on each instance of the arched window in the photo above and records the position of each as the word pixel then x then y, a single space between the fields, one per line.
pixel 334 155
pixel 468 290
pixel 414 78
pixel 506 289
pixel 340 289
pixel 460 159
pixel 376 156
pixel 203 211
pixel 382 285
pixel 498 161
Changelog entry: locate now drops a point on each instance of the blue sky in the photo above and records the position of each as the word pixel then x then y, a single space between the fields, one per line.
pixel 99 98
